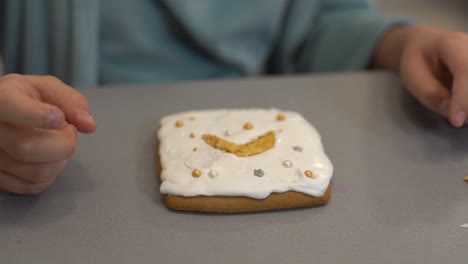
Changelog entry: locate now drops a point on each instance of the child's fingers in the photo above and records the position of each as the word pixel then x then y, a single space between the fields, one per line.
pixel 16 185
pixel 459 105
pixel 454 54
pixel 20 105
pixel 38 146
pixel 31 172
pixel 43 102
pixel 422 83
pixel 73 104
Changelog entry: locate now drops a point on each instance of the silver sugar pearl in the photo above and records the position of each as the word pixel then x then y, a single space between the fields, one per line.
pixel 287 164
pixel 213 174
pixel 259 173
pixel 227 133
pixel 297 148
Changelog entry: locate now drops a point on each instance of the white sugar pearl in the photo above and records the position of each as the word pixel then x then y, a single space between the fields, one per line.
pixel 287 164
pixel 227 133
pixel 213 174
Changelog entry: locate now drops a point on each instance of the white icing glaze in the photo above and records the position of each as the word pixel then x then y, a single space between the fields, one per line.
pixel 178 157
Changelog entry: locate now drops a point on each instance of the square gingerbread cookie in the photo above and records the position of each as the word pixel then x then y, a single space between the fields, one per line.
pixel 241 160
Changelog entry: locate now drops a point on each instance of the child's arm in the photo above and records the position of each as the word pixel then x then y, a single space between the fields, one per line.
pixel 433 65
pixel 343 36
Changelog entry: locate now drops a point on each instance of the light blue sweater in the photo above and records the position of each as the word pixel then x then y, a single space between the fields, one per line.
pixel 91 42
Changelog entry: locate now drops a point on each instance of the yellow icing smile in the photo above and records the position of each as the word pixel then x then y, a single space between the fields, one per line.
pixel 254 147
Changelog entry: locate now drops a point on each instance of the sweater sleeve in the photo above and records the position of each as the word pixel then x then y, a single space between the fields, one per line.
pixel 343 36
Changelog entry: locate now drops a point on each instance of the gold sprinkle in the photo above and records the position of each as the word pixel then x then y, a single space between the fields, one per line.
pixel 248 126
pixel 19 241
pixel 280 117
pixel 192 135
pixel 465 178
pixel 309 174
pixel 179 123
pixel 195 149
pixel 196 173
pixel 191 118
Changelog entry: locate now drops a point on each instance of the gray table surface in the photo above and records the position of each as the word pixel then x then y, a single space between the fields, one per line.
pixel 398 190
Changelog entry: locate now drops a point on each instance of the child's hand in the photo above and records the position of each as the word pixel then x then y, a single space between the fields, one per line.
pixel 433 65
pixel 35 141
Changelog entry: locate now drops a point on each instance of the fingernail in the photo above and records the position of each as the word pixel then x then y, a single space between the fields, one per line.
pixel 56 119
pixel 460 118
pixel 444 107
pixel 85 116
